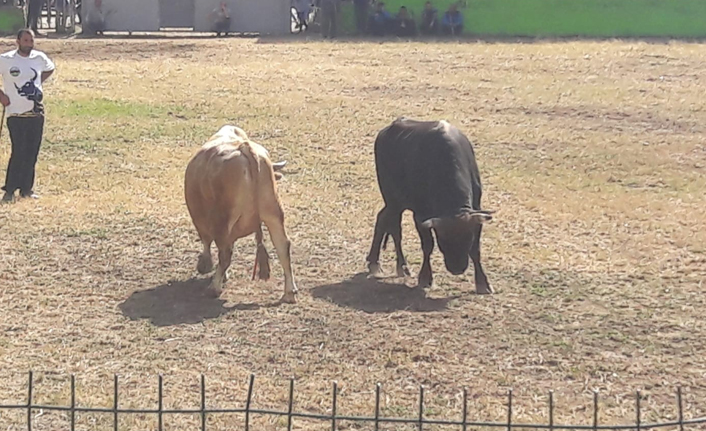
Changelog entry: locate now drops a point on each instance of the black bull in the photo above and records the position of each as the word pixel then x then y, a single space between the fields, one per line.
pixel 430 169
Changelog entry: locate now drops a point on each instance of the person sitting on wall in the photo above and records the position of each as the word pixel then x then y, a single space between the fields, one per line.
pixel 404 24
pixel 95 21
pixel 220 19
pixel 380 20
pixel 303 8
pixel 430 20
pixel 452 22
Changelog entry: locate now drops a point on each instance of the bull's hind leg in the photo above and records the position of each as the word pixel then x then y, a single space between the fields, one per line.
pixel 262 258
pixel 274 219
pixel 373 259
pixel 205 264
pixel 395 229
pixel 225 255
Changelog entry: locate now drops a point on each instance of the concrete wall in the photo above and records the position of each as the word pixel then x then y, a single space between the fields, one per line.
pixel 248 16
pixel 547 18
pixel 127 15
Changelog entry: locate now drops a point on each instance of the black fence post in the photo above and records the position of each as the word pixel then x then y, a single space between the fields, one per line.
pixel 551 410
pixel 291 404
pixel 29 402
pixel 73 403
pixel 333 407
pixel 203 403
pixel 509 410
pixel 639 415
pixel 464 424
pixel 377 407
pixel 115 402
pixel 595 410
pixel 247 403
pixel 160 408
pixel 421 407
pixel 681 410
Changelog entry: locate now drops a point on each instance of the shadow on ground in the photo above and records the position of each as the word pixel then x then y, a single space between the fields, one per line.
pixel 177 303
pixel 377 296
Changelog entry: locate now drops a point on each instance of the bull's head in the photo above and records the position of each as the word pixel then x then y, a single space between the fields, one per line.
pixel 455 236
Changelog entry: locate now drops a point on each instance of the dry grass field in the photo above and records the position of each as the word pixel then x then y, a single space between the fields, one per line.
pixel 593 154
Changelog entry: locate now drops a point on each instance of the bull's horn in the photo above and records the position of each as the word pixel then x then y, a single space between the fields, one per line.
pixel 432 222
pixel 279 165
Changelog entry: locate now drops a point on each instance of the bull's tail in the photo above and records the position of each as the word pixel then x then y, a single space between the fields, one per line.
pixel 384 241
pixel 261 257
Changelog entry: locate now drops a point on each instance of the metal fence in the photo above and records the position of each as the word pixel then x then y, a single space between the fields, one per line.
pixel 420 421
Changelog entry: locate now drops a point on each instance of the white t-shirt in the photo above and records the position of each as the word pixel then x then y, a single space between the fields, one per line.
pixel 22 80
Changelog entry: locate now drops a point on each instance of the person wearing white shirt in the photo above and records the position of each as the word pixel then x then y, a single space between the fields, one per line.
pixel 23 72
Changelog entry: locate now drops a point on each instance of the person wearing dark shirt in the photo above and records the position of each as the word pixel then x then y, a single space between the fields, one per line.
pixel 380 21
pixel 430 20
pixel 452 22
pixel 404 24
pixel 361 15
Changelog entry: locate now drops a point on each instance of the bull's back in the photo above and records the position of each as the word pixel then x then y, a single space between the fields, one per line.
pixel 218 186
pixel 424 166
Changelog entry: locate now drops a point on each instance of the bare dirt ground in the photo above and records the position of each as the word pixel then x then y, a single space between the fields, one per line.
pixel 593 153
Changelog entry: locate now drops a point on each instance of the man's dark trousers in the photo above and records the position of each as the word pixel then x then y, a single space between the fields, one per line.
pixel 26 136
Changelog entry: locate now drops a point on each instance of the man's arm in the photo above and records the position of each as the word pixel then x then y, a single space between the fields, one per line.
pixel 46 75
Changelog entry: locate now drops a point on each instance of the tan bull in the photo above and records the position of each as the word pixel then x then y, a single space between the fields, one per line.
pixel 230 189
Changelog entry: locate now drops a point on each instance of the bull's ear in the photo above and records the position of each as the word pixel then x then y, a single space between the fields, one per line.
pixel 278 176
pixel 432 222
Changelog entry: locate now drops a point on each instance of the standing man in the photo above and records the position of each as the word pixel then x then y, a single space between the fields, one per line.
pixel 361 16
pixel 23 72
pixel 329 18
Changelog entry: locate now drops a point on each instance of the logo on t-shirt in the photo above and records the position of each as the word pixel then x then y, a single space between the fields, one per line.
pixel 15 71
pixel 30 91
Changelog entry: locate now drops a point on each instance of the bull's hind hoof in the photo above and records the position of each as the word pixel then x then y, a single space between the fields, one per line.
pixel 288 298
pixel 213 292
pixel 374 270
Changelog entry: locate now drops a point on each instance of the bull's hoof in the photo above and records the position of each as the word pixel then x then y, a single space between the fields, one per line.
pixel 403 271
pixel 205 264
pixel 425 281
pixel 213 292
pixel 484 289
pixel 374 270
pixel 288 298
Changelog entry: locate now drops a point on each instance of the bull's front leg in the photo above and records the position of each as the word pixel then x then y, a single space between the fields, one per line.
pixel 427 239
pixel 205 263
pixel 225 255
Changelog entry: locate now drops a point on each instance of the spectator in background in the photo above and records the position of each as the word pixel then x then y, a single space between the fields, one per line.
pixel 430 20
pixel 404 24
pixel 34 14
pixel 361 15
pixel 303 8
pixel 380 21
pixel 329 17
pixel 220 19
pixel 452 22
pixel 95 21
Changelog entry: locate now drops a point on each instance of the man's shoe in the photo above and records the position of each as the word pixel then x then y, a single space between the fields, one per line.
pixel 7 197
pixel 30 195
